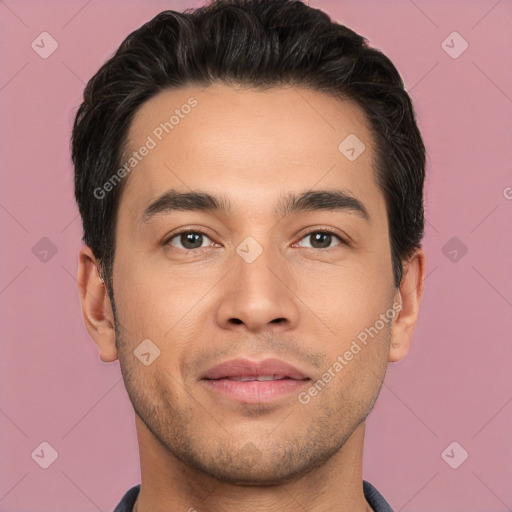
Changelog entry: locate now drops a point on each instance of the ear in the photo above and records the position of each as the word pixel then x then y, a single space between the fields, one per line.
pixel 408 295
pixel 96 307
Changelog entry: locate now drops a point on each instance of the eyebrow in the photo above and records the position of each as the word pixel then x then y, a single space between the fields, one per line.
pixel 311 200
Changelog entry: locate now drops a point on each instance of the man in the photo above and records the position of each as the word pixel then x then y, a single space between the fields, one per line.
pixel 250 180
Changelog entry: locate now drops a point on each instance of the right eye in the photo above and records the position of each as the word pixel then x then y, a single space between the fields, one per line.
pixel 189 240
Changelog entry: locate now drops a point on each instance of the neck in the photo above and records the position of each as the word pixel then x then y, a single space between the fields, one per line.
pixel 167 481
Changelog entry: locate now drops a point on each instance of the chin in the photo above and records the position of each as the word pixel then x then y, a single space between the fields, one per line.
pixel 252 466
pixel 260 475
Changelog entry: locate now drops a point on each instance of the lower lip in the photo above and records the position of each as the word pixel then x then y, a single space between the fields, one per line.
pixel 254 391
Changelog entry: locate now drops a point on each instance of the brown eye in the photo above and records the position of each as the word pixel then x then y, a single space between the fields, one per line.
pixel 188 240
pixel 322 239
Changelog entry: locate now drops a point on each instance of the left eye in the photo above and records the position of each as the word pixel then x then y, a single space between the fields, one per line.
pixel 189 240
pixel 321 239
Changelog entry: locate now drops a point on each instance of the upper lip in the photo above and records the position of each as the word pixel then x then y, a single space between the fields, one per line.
pixel 247 368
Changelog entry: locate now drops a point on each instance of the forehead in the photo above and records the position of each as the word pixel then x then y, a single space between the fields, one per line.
pixel 248 144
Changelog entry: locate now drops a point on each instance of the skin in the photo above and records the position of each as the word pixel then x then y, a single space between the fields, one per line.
pixel 200 450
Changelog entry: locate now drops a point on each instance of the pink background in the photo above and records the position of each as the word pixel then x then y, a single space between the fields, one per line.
pixel 455 384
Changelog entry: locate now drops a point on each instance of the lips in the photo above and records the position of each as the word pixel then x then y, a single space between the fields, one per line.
pixel 245 370
pixel 243 381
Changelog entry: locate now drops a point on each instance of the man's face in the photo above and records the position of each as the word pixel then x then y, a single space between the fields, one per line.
pixel 254 282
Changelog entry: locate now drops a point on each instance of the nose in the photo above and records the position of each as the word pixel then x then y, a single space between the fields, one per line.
pixel 258 295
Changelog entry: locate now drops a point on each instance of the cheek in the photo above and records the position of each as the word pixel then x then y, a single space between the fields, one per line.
pixel 355 303
pixel 138 300
pixel 350 384
pixel 347 297
pixel 159 303
pixel 361 361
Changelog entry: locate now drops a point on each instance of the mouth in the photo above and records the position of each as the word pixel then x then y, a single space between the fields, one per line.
pixel 259 378
pixel 248 381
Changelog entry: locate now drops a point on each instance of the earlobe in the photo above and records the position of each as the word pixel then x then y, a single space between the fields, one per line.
pixel 408 295
pixel 398 351
pixel 97 310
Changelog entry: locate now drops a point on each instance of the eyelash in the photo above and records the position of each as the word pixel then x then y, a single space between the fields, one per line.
pixel 309 233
